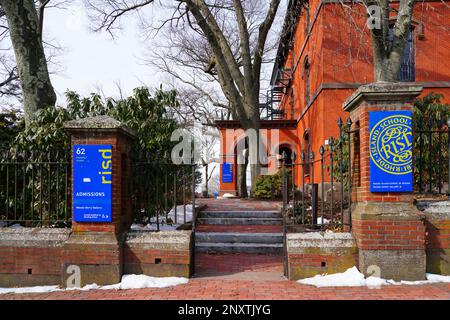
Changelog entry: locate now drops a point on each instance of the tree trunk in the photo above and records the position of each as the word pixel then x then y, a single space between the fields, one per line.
pixel 23 23
pixel 242 180
pixel 242 177
pixel 387 69
pixel 206 180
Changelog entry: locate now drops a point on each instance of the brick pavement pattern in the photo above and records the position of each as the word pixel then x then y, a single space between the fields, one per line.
pixel 198 289
pixel 245 276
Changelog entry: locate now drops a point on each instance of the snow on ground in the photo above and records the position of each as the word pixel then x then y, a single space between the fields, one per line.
pixel 353 278
pixel 153 227
pixel 16 226
pixel 41 289
pixel 325 221
pixel 163 223
pixel 129 281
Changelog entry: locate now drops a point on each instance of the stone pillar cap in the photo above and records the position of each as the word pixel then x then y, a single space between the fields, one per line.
pixel 99 123
pixel 383 91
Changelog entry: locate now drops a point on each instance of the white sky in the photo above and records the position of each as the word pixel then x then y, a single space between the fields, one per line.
pixel 95 60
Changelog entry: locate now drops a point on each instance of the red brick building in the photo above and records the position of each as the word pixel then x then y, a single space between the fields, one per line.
pixel 324 54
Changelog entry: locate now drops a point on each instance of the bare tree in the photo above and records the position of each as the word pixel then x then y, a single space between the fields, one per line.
pixel 388 51
pixel 24 26
pixel 232 58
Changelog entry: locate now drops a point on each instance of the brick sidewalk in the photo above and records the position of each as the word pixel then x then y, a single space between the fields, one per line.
pixel 243 290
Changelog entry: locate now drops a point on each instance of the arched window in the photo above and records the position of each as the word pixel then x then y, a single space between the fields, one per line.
pixel 307 19
pixel 306 73
pixel 306 151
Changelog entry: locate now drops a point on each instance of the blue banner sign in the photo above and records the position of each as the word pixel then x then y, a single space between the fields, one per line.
pixel 390 144
pixel 227 172
pixel 92 183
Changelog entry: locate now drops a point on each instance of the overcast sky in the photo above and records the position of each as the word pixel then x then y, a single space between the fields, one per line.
pixel 95 60
pixel 92 60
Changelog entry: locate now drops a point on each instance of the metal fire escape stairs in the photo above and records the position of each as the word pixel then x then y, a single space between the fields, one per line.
pixel 270 109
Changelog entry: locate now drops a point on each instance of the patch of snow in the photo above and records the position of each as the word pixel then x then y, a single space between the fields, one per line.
pixel 350 278
pixel 38 289
pixel 353 278
pixel 153 227
pixel 437 278
pixel 228 195
pixel 180 213
pixel 16 226
pixel 325 221
pixel 140 281
pixel 129 281
pixel 167 224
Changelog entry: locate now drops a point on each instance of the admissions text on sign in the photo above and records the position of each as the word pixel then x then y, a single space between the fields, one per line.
pixel 92 185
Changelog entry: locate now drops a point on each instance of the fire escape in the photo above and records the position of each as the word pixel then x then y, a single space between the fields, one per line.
pixel 270 110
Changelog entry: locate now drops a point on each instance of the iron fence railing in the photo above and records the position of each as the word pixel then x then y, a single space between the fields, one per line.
pixel 162 193
pixel 320 200
pixel 35 188
pixel 431 156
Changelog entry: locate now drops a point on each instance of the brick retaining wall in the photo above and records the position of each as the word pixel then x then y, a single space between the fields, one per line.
pixel 315 253
pixel 40 256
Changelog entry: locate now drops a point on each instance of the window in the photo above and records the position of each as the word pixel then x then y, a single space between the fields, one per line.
pixel 306 152
pixel 407 66
pixel 307 22
pixel 306 69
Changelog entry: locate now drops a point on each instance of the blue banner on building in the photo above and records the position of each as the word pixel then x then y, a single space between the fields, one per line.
pixel 227 172
pixel 92 183
pixel 390 144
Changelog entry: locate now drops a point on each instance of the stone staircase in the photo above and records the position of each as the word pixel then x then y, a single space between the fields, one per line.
pixel 256 232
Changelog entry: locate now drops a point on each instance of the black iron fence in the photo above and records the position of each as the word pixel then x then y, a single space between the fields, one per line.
pixel 321 199
pixel 162 193
pixel 431 156
pixel 35 188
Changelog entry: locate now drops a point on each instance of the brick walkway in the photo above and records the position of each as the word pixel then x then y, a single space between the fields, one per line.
pixel 239 228
pixel 246 276
pixel 239 204
pixel 241 290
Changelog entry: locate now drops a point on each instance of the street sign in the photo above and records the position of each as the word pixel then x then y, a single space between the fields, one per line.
pixel 92 183
pixel 390 145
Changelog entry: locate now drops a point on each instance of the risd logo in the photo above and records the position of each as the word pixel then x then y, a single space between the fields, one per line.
pixel 391 144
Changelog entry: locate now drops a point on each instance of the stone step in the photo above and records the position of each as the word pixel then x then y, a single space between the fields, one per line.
pixel 266 221
pixel 239 214
pixel 211 247
pixel 238 237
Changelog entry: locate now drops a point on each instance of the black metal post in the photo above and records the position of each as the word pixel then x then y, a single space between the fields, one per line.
pixel 293 185
pixel 284 189
pixel 341 167
pixel 303 186
pixel 322 182
pixel 349 126
pixel 430 158
pixel 331 141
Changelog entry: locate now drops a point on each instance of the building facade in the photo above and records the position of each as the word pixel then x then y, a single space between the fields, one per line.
pixel 324 55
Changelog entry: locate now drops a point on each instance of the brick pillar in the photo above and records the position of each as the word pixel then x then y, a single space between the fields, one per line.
pixel 388 228
pixel 96 247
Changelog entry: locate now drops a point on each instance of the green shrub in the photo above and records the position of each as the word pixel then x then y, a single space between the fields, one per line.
pixel 263 186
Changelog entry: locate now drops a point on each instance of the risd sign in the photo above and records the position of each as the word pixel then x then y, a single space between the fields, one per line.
pixel 92 174
pixel 391 143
